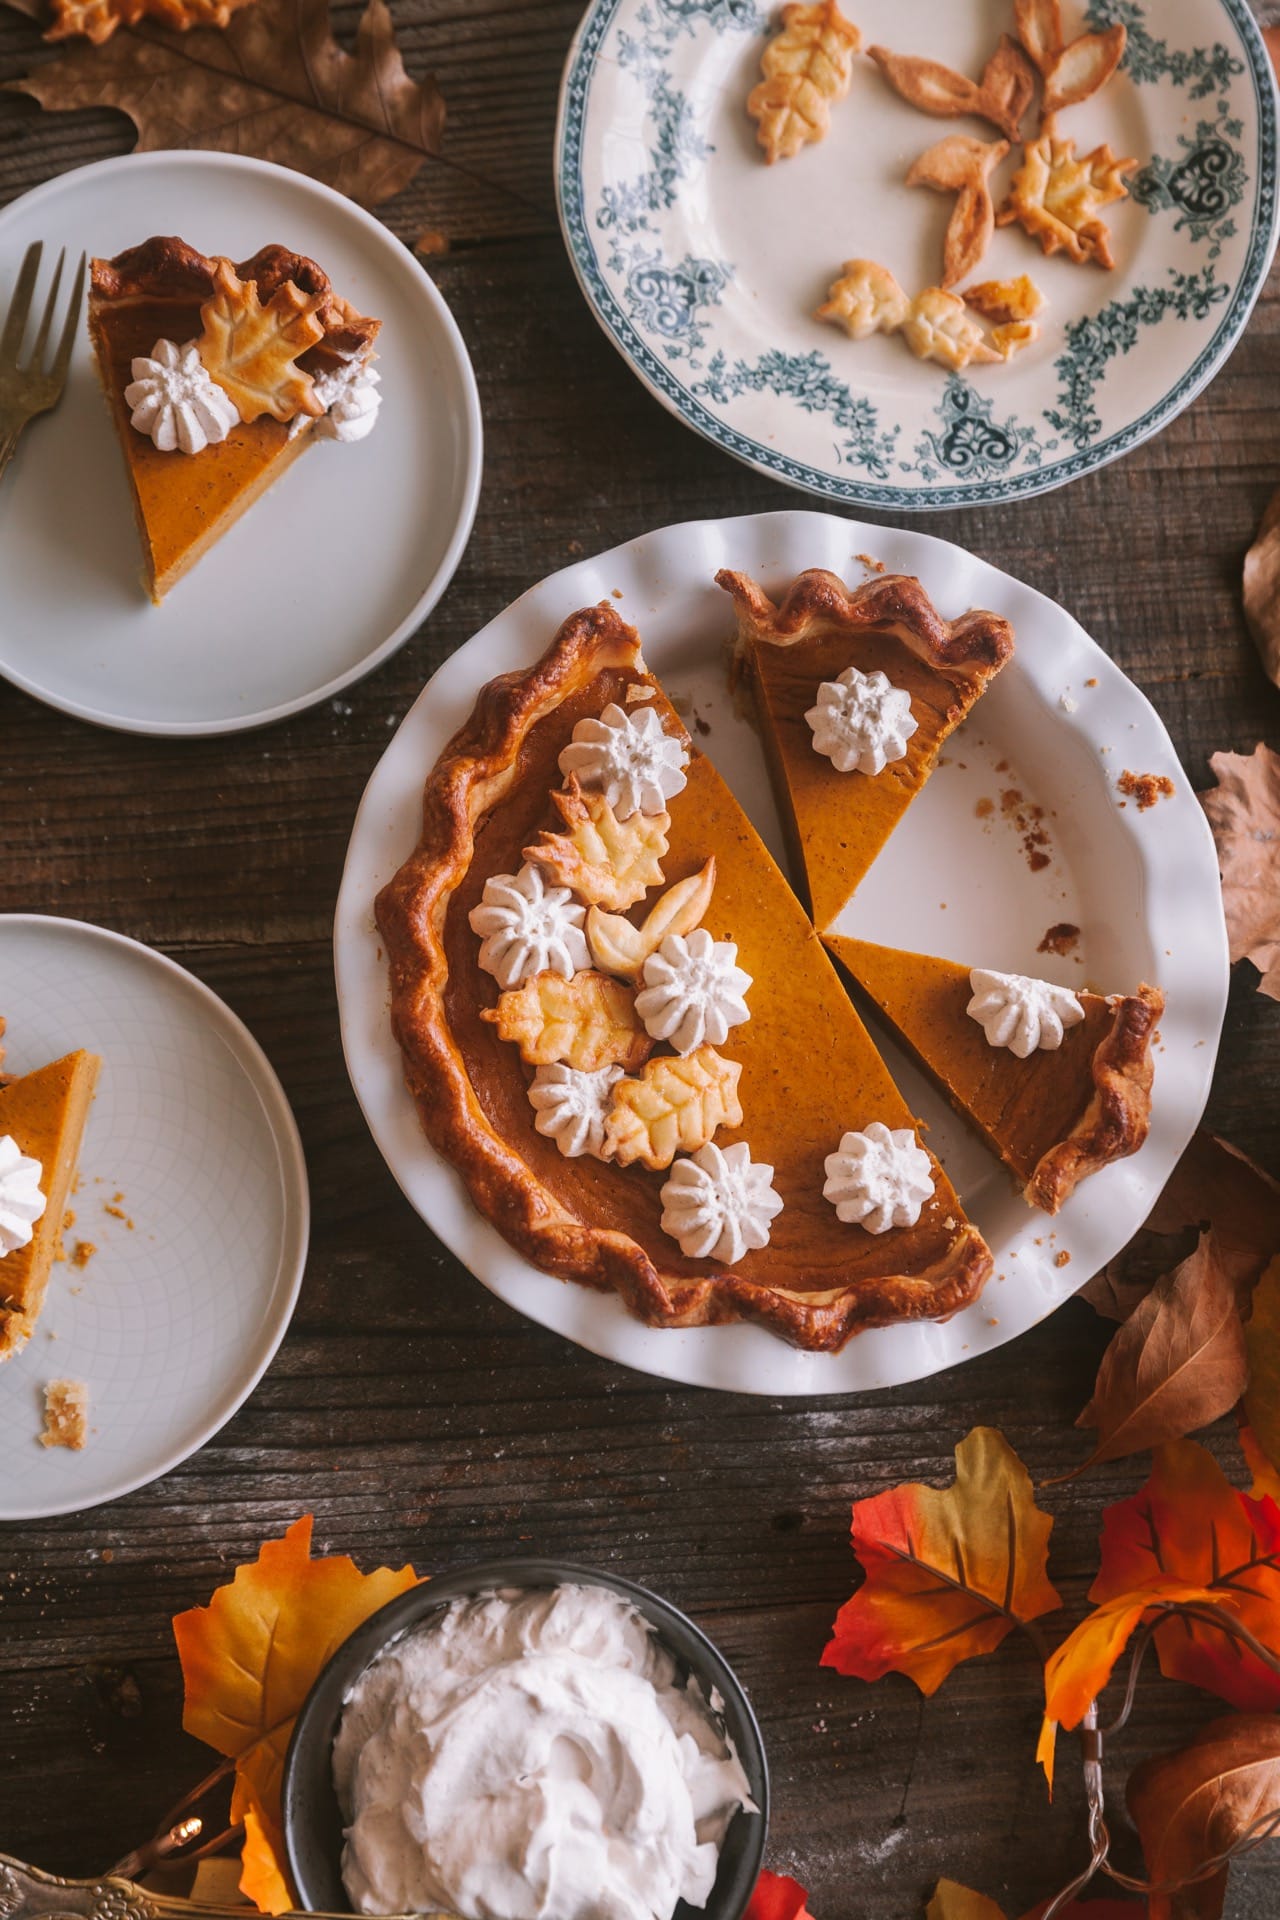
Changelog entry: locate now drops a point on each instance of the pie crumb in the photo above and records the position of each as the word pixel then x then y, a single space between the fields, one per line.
pixel 872 565
pixel 66 1414
pixel 1145 788
pixel 82 1253
pixel 1062 1259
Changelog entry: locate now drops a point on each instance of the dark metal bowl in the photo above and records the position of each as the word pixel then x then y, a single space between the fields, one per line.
pixel 313 1822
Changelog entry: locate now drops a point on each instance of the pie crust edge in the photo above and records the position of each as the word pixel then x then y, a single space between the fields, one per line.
pixel 1117 1117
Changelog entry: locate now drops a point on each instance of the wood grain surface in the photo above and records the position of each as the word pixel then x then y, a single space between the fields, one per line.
pixel 414 1414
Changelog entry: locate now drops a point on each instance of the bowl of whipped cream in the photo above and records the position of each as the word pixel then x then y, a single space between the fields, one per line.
pixel 527 1740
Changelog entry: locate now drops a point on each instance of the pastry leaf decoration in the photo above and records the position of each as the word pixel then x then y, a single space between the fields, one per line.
pixel 275 84
pixel 676 1106
pixel 97 20
pixel 940 327
pixel 588 1022
pixel 1244 812
pixel 619 946
pixel 807 65
pixel 865 299
pixel 962 166
pixel 1056 197
pixel 950 1572
pixel 251 350
pixel 248 1662
pixel 1002 96
pixel 1071 70
pixel 608 862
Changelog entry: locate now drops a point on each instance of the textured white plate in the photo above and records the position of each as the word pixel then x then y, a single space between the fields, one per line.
pixel 327 574
pixel 175 1318
pixel 704 265
pixel 1142 887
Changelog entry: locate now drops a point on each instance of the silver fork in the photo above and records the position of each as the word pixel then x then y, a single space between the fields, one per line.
pixel 32 388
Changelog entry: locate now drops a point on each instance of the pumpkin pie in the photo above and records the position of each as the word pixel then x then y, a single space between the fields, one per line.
pixel 218 376
pixel 856 691
pixel 42 1115
pixel 1056 1114
pixel 578 1136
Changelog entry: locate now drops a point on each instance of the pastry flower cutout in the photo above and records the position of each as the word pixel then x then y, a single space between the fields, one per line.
pixel 1022 1014
pixel 693 991
pixel 21 1201
pixel 572 1107
pixel 628 757
pixel 861 722
pixel 879 1178
pixel 719 1203
pixel 528 927
pixel 176 403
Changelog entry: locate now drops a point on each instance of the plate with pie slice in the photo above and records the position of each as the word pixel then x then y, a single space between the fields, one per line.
pixel 265 466
pixel 915 256
pixel 153 1215
pixel 782 954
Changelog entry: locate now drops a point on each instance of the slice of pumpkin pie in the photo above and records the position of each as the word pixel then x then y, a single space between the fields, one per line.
pixel 1056 1080
pixel 620 1027
pixel 42 1116
pixel 856 691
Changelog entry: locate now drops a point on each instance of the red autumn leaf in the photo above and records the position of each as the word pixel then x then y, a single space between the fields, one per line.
pixel 1188 1523
pixel 1176 1364
pixel 1266 1476
pixel 777 1898
pixel 1191 1806
pixel 949 1572
pixel 1244 812
pixel 1078 1670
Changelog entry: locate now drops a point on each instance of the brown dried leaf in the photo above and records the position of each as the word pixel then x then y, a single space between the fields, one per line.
pixel 276 84
pixel 961 166
pixel 866 299
pixel 1175 1365
pixel 1005 300
pixel 940 327
pixel 588 1022
pixel 1038 24
pixel 674 1107
pixel 1262 589
pixel 97 20
pixel 251 350
pixel 619 946
pixel 1193 1805
pixel 1217 1186
pixel 1081 68
pixel 807 65
pixel 1124 1283
pixel 1244 812
pixel 1055 197
pixel 608 862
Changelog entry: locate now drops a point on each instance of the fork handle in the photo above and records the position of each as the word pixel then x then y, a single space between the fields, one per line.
pixel 28 1894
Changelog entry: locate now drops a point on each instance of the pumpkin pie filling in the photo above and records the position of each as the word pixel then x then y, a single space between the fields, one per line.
pixel 44 1112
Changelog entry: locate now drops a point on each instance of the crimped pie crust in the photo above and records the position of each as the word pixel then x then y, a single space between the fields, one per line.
pixel 1117 1118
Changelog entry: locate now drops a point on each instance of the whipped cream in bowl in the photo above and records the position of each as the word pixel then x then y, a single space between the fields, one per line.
pixel 527 1740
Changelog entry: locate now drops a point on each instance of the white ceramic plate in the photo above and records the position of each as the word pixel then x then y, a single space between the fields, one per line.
pixel 704 265
pixel 176 1316
pixel 327 574
pixel 1057 728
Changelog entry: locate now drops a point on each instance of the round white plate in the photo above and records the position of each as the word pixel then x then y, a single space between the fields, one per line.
pixel 1056 729
pixel 176 1316
pixel 327 574
pixel 704 265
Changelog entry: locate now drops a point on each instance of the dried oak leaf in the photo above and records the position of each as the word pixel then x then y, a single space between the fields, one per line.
pixel 949 1572
pixel 1244 812
pixel 1177 1363
pixel 962 166
pixel 1193 1805
pixel 1262 1339
pixel 1002 96
pixel 251 351
pixel 865 299
pixel 588 1022
pixel 675 1106
pixel 1214 1184
pixel 1056 196
pixel 275 84
pixel 609 862
pixel 97 20
pixel 1262 589
pixel 776 1897
pixel 248 1661
pixel 619 946
pixel 806 65
pixel 940 327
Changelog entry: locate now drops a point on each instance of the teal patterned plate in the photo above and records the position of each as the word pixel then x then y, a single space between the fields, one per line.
pixel 704 265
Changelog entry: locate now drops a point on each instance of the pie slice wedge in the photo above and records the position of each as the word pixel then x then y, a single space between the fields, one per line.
pixel 44 1113
pixel 809 1070
pixel 1054 1117
pixel 184 501
pixel 837 822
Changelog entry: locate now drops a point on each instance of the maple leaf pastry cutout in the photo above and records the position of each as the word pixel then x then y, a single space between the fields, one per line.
pixel 251 350
pixel 807 66
pixel 586 1023
pixel 1056 196
pixel 1001 96
pixel 962 166
pixel 865 299
pixel 97 20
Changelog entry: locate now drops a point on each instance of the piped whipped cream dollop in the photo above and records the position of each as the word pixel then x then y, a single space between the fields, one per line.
pixel 628 757
pixel 693 992
pixel 532 1756
pixel 861 722
pixel 528 927
pixel 571 1107
pixel 176 402
pixel 879 1178
pixel 719 1203
pixel 350 398
pixel 21 1201
pixel 1020 1013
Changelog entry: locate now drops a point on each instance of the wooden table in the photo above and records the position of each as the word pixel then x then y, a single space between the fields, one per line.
pixel 408 1409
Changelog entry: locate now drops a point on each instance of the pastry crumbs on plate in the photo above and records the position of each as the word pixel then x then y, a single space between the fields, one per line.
pixel 984 807
pixel 82 1253
pixel 872 565
pixel 1060 938
pixel 66 1414
pixel 1145 788
pixel 1062 1259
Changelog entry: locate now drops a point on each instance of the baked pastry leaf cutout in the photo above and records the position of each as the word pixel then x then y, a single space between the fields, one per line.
pixel 677 1104
pixel 609 862
pixel 252 350
pixel 587 1022
pixel 1001 96
pixel 1056 197
pixel 97 20
pixel 962 166
pixel 807 65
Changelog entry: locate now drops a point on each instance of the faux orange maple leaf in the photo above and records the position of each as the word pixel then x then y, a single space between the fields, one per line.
pixel 777 1897
pixel 949 1572
pixel 248 1662
pixel 1244 812
pixel 951 1901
